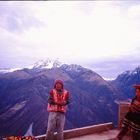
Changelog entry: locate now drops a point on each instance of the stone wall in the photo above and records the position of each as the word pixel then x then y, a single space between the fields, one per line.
pixel 123 109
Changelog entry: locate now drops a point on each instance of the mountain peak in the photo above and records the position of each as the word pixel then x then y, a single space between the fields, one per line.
pixel 137 70
pixel 131 72
pixel 47 64
pixel 72 67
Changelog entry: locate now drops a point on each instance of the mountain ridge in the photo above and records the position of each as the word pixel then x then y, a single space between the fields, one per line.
pixel 24 94
pixel 27 90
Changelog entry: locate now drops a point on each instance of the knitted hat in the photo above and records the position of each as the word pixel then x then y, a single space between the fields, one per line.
pixel 60 82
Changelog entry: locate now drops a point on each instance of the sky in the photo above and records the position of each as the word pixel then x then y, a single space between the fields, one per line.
pixel 101 35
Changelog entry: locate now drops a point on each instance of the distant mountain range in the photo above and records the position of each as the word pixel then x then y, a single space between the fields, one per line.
pixel 24 94
pixel 125 83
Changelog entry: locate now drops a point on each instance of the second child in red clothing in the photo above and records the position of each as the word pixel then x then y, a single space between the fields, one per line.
pixel 132 118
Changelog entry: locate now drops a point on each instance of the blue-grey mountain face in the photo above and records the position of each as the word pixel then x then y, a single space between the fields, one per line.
pixel 125 83
pixel 24 94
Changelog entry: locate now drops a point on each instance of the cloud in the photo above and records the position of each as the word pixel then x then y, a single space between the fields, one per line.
pixel 111 68
pixel 78 32
pixel 134 11
pixel 17 17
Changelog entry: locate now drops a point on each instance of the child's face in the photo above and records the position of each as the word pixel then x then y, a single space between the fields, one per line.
pixel 138 92
pixel 58 86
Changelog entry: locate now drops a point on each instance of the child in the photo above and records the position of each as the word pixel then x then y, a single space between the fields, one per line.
pixel 57 106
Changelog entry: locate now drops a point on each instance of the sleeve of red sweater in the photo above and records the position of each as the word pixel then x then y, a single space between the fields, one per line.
pixel 50 99
pixel 68 99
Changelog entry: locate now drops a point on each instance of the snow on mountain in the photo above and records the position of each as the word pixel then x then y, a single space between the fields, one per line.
pixel 41 64
pixel 47 64
pixel 136 71
pixel 72 67
pixel 130 72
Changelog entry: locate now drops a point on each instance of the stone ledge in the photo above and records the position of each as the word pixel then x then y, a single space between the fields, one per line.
pixel 83 131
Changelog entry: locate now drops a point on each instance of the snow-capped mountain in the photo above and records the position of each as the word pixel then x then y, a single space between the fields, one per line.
pixel 125 82
pixel 47 64
pixel 24 94
pixel 129 74
pixel 41 64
